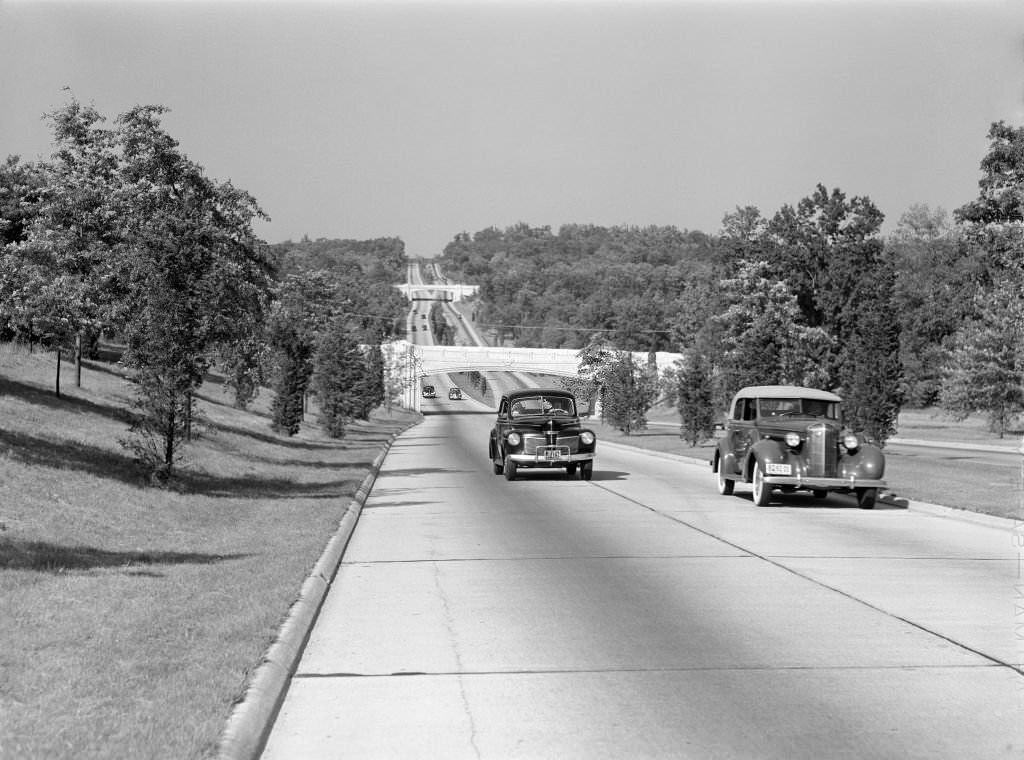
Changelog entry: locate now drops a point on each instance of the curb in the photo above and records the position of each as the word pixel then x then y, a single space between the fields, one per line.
pixel 252 718
pixel 966 446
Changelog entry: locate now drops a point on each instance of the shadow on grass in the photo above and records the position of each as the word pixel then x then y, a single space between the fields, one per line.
pixel 62 454
pixel 46 557
pixel 313 464
pixel 249 487
pixel 36 395
pixel 59 454
pixel 272 438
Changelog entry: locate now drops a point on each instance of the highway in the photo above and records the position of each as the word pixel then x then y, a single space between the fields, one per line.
pixel 642 615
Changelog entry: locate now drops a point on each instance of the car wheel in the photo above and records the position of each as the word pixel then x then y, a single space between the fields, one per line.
pixel 586 470
pixel 509 469
pixel 725 485
pixel 819 493
pixel 498 469
pixel 866 497
pixel 570 469
pixel 762 491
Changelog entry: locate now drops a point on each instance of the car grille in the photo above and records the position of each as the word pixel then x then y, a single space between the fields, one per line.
pixel 532 442
pixel 822 451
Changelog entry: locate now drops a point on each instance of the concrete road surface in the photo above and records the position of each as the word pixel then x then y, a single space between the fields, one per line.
pixel 642 615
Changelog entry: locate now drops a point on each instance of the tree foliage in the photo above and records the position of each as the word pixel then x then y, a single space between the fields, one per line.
pixel 986 369
pixel 985 372
pixel 694 398
pixel 338 377
pixel 557 290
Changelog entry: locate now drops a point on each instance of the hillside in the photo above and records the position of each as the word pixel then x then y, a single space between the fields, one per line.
pixel 133 615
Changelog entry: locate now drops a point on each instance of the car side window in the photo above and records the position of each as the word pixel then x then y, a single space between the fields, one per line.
pixel 749 409
pixel 503 409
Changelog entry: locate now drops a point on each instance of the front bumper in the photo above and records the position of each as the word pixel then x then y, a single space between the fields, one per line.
pixel 542 460
pixel 824 484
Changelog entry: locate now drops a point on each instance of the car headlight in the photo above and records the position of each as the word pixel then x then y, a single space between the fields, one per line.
pixel 514 439
pixel 792 440
pixel 586 438
pixel 851 442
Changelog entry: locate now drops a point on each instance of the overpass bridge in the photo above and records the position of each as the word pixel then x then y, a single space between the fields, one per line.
pixel 456 292
pixel 413 362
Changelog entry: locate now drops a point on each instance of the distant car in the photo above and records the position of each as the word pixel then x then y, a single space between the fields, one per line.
pixel 791 438
pixel 429 392
pixel 540 428
pixel 455 394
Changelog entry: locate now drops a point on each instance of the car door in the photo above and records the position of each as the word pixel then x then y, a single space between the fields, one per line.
pixel 501 425
pixel 742 430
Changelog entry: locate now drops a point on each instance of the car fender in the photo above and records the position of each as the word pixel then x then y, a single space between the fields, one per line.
pixel 724 461
pixel 766 451
pixel 867 462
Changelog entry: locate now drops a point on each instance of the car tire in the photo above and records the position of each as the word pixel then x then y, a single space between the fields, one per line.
pixel 725 485
pixel 866 497
pixel 586 470
pixel 762 491
pixel 498 469
pixel 509 469
pixel 570 469
pixel 819 493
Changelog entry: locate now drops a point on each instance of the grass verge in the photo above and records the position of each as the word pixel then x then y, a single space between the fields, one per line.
pixel 947 478
pixel 132 616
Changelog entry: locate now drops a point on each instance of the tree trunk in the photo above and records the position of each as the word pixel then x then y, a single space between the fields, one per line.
pixel 169 440
pixel 57 382
pixel 78 360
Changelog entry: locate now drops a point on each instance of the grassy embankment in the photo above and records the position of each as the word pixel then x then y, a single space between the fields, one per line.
pixel 132 616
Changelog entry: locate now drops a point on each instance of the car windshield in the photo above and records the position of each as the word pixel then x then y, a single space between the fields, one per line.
pixel 536 405
pixel 798 407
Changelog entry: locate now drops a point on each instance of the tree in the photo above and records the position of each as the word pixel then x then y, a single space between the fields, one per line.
pixel 128 233
pixel 760 336
pixel 21 187
pixel 302 307
pixel 694 398
pixel 191 275
pixel 368 387
pixel 628 390
pixel 54 272
pixel 835 261
pixel 937 276
pixel 337 377
pixel 872 399
pixel 986 371
pixel 1001 187
pixel 625 387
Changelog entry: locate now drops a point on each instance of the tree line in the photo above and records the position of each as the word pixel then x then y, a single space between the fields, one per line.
pixel 120 234
pixel 814 294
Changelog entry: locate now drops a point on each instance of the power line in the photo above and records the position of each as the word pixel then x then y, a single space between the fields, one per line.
pixel 573 329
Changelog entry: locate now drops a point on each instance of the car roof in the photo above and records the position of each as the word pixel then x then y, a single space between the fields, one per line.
pixel 785 391
pixel 512 395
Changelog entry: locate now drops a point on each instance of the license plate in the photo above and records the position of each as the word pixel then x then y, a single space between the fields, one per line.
pixel 779 469
pixel 553 455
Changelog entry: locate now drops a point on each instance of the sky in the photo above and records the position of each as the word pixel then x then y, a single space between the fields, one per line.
pixel 421 119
